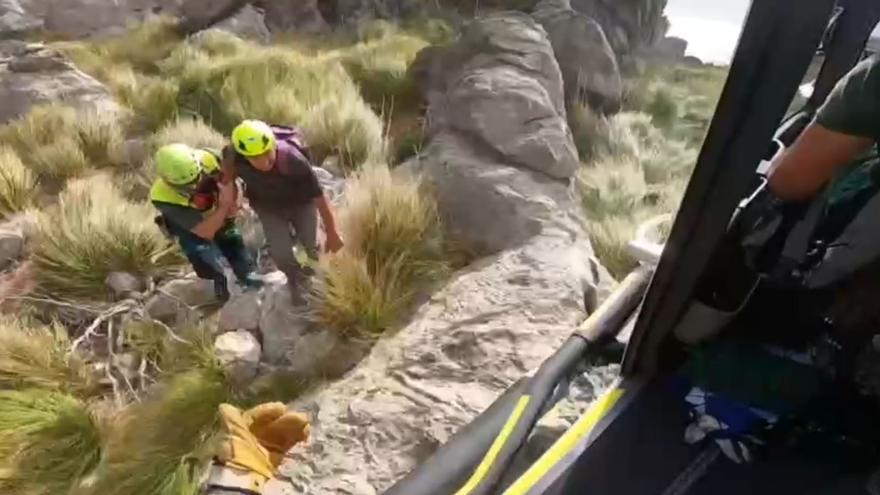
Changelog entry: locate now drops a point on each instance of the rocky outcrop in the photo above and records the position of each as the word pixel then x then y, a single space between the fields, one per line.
pixel 83 18
pixel 588 64
pixel 497 319
pixel 300 16
pixel 510 105
pixel 668 49
pixel 353 11
pixel 33 73
pixel 15 21
pixel 179 301
pixel 628 24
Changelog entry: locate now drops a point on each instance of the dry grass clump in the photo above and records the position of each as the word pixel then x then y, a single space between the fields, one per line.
pixel 18 185
pixel 57 142
pixel 94 231
pixel 394 245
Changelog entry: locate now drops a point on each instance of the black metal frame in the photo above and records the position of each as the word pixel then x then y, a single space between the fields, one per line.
pixel 777 44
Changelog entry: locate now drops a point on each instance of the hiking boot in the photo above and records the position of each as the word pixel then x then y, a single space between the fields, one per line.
pixel 253 281
pixel 221 291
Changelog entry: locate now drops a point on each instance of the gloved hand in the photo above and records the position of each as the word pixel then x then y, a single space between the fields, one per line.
pixel 255 442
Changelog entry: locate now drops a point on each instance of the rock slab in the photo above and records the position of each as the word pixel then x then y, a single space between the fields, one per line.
pixel 32 74
pixel 496 320
pixel 588 63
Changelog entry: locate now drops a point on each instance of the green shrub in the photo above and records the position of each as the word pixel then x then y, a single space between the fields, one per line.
pixel 37 356
pixel 394 243
pixel 51 442
pixel 152 100
pixel 160 445
pixel 60 160
pixel 192 131
pixel 92 232
pixel 379 65
pixel 58 142
pixel 18 185
pixel 284 87
pixel 152 340
pixel 633 172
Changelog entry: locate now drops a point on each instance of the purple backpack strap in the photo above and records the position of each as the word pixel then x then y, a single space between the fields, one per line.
pixel 291 142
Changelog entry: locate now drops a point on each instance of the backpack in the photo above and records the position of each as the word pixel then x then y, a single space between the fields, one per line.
pixel 292 141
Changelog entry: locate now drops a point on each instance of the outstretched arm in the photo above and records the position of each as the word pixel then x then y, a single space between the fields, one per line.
pixel 334 240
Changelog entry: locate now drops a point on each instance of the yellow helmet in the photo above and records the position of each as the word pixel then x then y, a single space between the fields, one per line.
pixel 209 160
pixel 253 138
pixel 177 164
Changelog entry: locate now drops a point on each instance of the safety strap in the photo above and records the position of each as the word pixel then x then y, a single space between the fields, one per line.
pixel 226 478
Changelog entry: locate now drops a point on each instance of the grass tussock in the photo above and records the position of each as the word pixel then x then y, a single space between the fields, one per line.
pixel 636 164
pixel 18 185
pixel 194 350
pixel 680 99
pixel 50 442
pixel 632 173
pixel 161 445
pixel 192 131
pixel 379 64
pixel 37 356
pixel 394 243
pixel 91 232
pixel 58 142
pixel 284 87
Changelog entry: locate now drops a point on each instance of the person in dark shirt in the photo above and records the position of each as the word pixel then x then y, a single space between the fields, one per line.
pixel 199 211
pixel 285 193
pixel 845 128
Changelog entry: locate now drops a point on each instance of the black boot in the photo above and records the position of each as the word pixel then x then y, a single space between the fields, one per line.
pixel 221 290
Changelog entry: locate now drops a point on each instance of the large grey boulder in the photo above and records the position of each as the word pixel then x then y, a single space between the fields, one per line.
pixel 628 24
pixel 303 348
pixel 300 16
pixel 588 64
pixel 241 312
pixel 496 320
pixel 180 301
pixel 505 85
pixel 32 74
pixel 15 21
pixel 239 353
pixel 248 23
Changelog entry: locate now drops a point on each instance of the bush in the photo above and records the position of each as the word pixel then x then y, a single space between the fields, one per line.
pixel 171 355
pixel 379 65
pixel 283 87
pixel 192 131
pixel 633 173
pixel 92 232
pixel 18 185
pixel 37 356
pixel 50 442
pixel 394 242
pixel 58 142
pixel 160 445
pixel 151 99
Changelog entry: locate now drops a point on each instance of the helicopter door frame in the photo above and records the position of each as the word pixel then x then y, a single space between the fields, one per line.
pixel 772 56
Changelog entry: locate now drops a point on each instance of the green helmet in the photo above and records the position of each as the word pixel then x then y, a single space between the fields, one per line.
pixel 253 138
pixel 177 164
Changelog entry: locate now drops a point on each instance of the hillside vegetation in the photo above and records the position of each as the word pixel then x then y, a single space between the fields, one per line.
pixel 636 164
pixel 80 181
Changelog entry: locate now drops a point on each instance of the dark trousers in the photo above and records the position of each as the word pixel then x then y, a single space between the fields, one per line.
pixel 277 226
pixel 205 256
